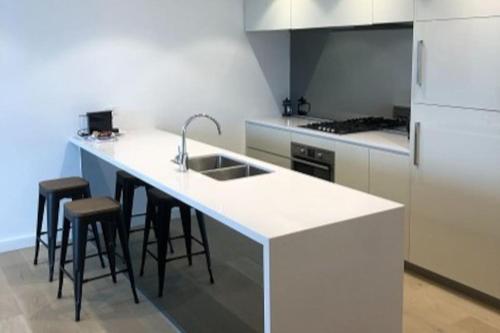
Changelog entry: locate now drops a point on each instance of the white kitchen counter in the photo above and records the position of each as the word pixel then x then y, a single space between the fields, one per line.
pixel 383 140
pixel 330 253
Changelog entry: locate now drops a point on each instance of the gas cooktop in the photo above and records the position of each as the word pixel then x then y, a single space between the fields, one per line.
pixel 356 125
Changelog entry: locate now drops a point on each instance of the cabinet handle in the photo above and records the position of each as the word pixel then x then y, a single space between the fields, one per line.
pixel 420 49
pixel 416 145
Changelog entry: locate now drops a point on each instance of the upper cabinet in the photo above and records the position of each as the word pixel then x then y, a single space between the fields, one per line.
pixel 456 63
pixel 393 11
pixel 330 13
pixel 261 15
pixel 446 9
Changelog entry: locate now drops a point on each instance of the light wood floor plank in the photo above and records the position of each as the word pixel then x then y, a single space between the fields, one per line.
pixel 29 304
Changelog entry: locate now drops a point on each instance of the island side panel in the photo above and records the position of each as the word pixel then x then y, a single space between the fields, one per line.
pixel 345 277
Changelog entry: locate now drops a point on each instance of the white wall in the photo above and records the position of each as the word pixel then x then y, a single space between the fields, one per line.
pixel 154 61
pixel 352 73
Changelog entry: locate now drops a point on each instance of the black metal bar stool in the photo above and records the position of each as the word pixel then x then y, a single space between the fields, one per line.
pixel 52 192
pixel 125 187
pixel 158 213
pixel 78 215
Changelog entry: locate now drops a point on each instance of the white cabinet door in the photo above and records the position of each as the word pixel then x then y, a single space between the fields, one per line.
pixel 269 158
pixel 457 63
pixel 455 196
pixel 445 9
pixel 352 166
pixel 390 179
pixel 330 13
pixel 267 15
pixel 268 139
pixel 393 11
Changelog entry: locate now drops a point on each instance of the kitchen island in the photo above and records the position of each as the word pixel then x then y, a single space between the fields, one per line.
pixel 332 256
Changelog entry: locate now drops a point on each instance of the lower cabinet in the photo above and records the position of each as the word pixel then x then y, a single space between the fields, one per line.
pixel 352 164
pixel 390 179
pixel 268 157
pixel 380 173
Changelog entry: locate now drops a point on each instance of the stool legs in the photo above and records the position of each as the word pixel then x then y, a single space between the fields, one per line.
pixel 52 219
pixel 204 238
pixel 150 212
pixel 79 249
pixel 126 254
pixel 97 241
pixel 39 223
pixel 95 231
pixel 62 259
pixel 128 202
pixel 108 231
pixel 186 226
pixel 163 234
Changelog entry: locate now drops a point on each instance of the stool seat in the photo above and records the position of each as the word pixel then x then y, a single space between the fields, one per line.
pixel 78 215
pixel 51 192
pixel 159 196
pixel 90 207
pixel 62 184
pixel 123 176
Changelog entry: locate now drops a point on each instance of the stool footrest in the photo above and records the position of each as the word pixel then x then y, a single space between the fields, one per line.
pixel 87 257
pixel 68 274
pixel 59 245
pixel 155 257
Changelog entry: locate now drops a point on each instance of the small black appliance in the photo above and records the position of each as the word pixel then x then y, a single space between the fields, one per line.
pixel 303 106
pixel 287 107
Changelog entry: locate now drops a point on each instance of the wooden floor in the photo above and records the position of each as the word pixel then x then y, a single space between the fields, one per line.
pixel 28 304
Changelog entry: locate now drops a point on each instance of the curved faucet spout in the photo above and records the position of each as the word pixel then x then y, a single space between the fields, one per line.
pixel 182 158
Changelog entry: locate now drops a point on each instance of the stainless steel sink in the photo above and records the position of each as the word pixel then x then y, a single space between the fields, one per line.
pixel 211 162
pixel 235 172
pixel 223 168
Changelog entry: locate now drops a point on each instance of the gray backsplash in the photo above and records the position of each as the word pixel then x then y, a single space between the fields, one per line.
pixel 349 73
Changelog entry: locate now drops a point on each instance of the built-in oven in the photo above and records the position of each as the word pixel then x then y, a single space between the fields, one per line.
pixel 313 161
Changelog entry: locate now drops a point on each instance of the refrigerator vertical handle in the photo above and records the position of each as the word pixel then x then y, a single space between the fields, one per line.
pixel 420 55
pixel 416 145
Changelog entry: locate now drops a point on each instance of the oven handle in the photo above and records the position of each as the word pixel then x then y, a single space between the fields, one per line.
pixel 314 165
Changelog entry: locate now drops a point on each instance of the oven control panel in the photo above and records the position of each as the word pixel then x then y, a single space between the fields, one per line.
pixel 312 153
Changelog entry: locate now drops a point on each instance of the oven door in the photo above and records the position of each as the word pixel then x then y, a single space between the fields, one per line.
pixel 314 169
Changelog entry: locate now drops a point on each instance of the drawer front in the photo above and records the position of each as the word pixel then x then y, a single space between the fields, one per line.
pixel 313 141
pixel 268 139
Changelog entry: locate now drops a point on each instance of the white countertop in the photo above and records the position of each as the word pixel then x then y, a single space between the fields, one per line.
pixel 261 207
pixel 382 140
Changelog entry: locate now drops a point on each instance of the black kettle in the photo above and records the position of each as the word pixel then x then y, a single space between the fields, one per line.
pixel 303 106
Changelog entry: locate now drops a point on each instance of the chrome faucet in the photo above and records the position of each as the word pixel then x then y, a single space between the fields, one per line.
pixel 182 158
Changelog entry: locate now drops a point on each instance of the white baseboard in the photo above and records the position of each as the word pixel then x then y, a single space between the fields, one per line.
pixel 16 243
